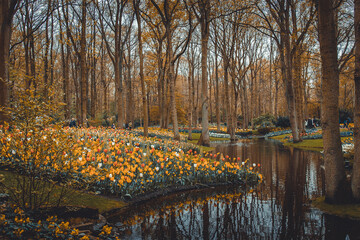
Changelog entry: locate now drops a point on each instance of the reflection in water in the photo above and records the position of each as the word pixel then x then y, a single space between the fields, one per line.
pixel 276 209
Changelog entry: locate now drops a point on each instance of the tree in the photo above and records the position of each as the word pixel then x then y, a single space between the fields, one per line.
pixel 8 9
pixel 167 12
pixel 334 161
pixel 355 183
pixel 119 24
pixel 141 73
pixel 203 17
pixel 81 55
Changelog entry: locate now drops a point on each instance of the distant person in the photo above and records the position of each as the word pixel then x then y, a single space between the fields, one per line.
pixel 126 125
pixel 310 123
pixel 72 123
pixel 130 125
pixel 87 123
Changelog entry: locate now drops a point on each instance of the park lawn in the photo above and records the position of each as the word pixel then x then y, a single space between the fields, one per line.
pixel 346 211
pixel 77 198
pixel 281 137
pixel 307 144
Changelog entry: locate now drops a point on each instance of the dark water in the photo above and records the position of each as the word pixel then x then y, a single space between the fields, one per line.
pixel 278 208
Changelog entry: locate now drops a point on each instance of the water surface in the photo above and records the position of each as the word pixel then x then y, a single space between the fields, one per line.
pixel 279 208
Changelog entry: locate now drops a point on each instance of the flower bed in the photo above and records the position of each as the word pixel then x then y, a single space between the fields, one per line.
pixel 17 224
pixel 219 135
pixel 119 163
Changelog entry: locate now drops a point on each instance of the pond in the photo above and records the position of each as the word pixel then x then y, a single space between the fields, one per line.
pixel 279 208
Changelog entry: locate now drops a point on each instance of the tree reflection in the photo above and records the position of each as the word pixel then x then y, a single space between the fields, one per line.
pixel 276 209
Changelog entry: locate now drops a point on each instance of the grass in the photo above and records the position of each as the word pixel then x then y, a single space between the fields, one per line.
pixel 75 197
pixel 307 144
pixel 346 211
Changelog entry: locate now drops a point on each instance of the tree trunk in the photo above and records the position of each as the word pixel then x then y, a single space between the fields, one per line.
pixel 65 60
pixel 142 80
pixel 230 127
pixel 217 100
pixel 83 81
pixel 355 183
pixel 190 79
pixel 204 23
pixel 6 16
pixel 93 90
pixel 287 76
pixel 334 162
pixel 129 92
pixel 46 57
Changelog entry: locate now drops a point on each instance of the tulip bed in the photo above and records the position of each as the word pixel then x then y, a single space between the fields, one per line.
pixel 118 162
pixel 17 224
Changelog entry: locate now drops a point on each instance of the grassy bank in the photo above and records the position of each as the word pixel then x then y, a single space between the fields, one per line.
pixel 75 197
pixel 346 211
pixel 308 144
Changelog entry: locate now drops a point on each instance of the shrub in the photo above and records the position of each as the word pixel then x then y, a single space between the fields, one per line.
pixel 31 142
pixel 266 120
pixel 265 130
pixel 283 122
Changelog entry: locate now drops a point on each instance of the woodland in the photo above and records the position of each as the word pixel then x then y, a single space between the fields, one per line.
pixel 194 64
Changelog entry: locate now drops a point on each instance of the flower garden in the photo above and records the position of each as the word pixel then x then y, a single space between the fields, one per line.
pixel 104 161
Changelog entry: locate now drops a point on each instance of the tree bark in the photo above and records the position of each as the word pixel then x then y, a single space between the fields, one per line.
pixel 334 162
pixel 7 11
pixel 355 183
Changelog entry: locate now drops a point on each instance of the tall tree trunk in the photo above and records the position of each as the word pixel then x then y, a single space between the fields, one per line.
pixel 230 127
pixel 204 23
pixel 334 162
pixel 7 11
pixel 299 98
pixel 46 57
pixel 129 91
pixel 190 79
pixel 287 76
pixel 65 60
pixel 217 100
pixel 142 80
pixel 355 183
pixel 83 79
pixel 93 90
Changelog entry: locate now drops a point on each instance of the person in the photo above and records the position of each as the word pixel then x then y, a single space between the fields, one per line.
pixel 310 123
pixel 126 126
pixel 87 123
pixel 130 125
pixel 72 123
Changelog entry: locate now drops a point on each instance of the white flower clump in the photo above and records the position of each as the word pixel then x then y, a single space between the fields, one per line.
pixel 347 147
